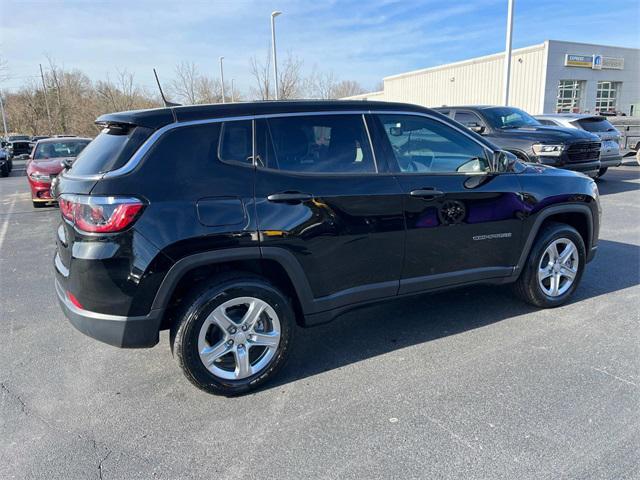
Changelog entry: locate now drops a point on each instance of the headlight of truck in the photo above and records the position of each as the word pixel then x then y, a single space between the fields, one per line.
pixel 547 150
pixel 39 177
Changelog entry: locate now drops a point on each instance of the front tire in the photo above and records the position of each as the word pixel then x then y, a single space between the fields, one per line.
pixel 602 171
pixel 554 267
pixel 233 335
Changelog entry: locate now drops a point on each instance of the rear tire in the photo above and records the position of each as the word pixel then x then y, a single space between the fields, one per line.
pixel 4 171
pixel 602 171
pixel 546 280
pixel 221 347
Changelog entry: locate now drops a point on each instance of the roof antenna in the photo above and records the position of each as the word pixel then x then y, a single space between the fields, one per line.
pixel 166 103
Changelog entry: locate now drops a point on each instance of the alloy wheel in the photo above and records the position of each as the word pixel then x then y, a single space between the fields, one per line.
pixel 239 338
pixel 558 267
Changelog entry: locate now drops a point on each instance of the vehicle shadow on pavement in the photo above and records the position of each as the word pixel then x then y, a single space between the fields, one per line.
pixel 383 328
pixel 619 181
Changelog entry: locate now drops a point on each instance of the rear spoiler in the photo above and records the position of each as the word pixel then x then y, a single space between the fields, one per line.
pixel 154 118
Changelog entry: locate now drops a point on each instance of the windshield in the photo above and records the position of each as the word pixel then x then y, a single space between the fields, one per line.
pixel 508 117
pixel 59 149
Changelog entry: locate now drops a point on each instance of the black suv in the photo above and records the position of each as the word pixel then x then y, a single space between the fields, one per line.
pixel 516 131
pixel 230 224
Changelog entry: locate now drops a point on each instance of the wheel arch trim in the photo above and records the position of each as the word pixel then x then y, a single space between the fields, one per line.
pixel 284 258
pixel 544 215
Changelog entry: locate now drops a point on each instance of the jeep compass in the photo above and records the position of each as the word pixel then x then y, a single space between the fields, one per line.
pixel 231 225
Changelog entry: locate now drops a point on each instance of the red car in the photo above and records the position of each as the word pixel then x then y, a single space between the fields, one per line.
pixel 46 162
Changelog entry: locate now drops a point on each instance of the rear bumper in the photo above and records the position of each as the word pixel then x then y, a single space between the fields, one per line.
pixel 119 331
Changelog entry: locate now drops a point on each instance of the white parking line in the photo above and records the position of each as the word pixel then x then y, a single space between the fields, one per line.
pixel 5 224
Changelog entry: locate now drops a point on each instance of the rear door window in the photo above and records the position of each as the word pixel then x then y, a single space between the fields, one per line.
pixel 110 150
pixel 329 144
pixel 236 143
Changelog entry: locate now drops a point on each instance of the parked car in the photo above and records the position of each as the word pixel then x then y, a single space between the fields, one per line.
pixel 230 224
pixel 519 133
pixel 50 156
pixel 19 148
pixel 39 137
pixel 610 155
pixel 4 163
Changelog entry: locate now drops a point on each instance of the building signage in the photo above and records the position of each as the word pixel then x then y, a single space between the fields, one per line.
pixel 613 63
pixel 596 62
pixel 571 60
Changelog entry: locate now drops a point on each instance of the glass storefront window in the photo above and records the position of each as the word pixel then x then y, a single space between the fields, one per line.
pixel 569 96
pixel 606 96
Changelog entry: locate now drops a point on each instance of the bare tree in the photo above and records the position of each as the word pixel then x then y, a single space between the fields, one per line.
pixel 346 88
pixel 326 85
pixel 290 79
pixel 184 85
pixel 262 77
pixel 291 82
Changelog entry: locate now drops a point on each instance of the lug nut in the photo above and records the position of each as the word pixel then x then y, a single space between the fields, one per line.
pixel 244 327
pixel 232 330
pixel 230 342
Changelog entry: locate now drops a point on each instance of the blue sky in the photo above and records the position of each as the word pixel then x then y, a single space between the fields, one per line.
pixel 360 40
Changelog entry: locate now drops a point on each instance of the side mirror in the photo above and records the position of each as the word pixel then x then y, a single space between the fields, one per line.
pixel 66 163
pixel 475 127
pixel 395 131
pixel 503 161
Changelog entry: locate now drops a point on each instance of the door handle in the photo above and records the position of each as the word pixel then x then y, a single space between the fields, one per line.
pixel 426 193
pixel 291 197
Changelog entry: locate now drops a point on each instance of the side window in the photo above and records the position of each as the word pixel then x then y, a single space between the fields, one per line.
pixel 544 121
pixel 235 144
pixel 315 144
pixel 468 119
pixel 423 145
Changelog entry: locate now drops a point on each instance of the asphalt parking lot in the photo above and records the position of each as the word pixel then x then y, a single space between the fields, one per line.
pixel 464 384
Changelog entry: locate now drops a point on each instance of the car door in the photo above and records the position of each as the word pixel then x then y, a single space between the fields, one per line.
pixel 463 220
pixel 320 198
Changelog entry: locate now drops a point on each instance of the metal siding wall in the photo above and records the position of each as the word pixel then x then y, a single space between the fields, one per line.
pixel 476 82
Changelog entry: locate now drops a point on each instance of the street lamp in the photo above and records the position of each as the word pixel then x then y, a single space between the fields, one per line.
pixel 273 48
pixel 222 79
pixel 507 55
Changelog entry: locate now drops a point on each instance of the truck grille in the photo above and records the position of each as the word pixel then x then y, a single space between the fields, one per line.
pixel 584 152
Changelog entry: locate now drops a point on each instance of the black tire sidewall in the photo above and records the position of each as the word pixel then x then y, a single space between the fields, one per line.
pixel 186 337
pixel 550 235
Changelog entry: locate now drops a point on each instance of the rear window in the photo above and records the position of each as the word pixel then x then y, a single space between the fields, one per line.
pixel 596 125
pixel 110 150
pixel 59 149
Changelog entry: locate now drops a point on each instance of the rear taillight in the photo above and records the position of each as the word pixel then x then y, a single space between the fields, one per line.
pixel 95 214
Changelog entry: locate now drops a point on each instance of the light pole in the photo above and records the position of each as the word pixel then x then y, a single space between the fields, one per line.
pixel 273 48
pixel 233 96
pixel 222 79
pixel 507 54
pixel 4 118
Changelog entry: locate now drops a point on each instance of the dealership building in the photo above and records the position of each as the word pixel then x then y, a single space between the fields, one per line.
pixel 550 77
